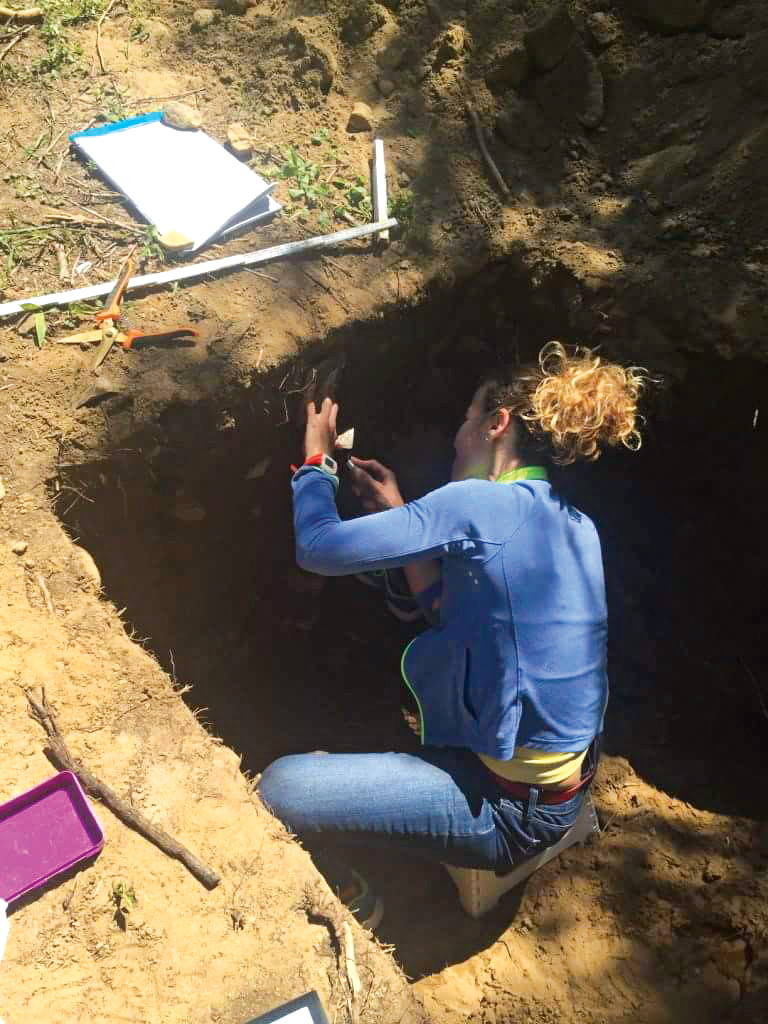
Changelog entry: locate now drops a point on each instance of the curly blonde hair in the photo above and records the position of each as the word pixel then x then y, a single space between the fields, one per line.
pixel 573 405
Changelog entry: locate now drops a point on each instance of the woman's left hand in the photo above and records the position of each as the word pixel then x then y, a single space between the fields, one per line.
pixel 320 435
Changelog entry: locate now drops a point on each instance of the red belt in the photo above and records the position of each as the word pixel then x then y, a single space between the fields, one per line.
pixel 521 790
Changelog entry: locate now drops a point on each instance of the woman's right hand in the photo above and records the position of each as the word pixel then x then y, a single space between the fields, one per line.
pixel 375 485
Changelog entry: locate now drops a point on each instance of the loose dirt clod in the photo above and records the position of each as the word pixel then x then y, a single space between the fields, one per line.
pixel 19 547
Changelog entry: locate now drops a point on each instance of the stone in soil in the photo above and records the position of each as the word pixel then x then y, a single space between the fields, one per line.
pixel 508 68
pixel 386 86
pixel 202 18
pixel 19 547
pixel 181 115
pixel 550 40
pixel 360 118
pixel 239 140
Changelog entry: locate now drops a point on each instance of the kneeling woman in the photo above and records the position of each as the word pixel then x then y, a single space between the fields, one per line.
pixel 511 679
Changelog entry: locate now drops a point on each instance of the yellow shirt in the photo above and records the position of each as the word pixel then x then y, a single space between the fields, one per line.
pixel 535 767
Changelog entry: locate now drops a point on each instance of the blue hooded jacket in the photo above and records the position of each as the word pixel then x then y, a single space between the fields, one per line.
pixel 519 656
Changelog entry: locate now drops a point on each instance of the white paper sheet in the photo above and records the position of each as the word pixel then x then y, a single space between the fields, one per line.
pixel 179 180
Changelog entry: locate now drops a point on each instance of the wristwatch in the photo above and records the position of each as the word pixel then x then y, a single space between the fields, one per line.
pixel 324 462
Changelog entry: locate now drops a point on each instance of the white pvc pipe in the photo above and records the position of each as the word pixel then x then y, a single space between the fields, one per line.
pixel 199 269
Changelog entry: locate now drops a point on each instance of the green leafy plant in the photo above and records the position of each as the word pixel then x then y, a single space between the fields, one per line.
pixel 58 15
pixel 111 102
pixel 306 175
pixel 347 199
pixel 150 248
pixel 125 900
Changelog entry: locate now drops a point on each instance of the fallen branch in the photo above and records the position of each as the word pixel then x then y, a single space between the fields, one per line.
pixel 59 754
pixel 484 150
pixel 21 13
pixel 7 49
pixel 99 23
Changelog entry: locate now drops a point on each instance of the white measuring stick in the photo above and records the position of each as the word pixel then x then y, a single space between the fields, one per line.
pixel 200 269
pixel 379 187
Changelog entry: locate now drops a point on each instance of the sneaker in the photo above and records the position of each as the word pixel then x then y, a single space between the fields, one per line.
pixel 360 900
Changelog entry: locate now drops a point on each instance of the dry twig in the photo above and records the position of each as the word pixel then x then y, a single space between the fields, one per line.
pixel 59 754
pixel 46 595
pixel 99 23
pixel 489 161
pixel 8 47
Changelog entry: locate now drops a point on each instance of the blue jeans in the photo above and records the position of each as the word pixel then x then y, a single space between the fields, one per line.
pixel 440 804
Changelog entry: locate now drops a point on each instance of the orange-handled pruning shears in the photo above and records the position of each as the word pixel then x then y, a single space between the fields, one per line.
pixel 107 334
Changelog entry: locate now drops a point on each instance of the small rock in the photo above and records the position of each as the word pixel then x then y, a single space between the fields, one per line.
pixel 673 15
pixel 181 115
pixel 604 29
pixel 174 241
pixel 653 204
pixel 28 563
pixel 226 78
pixel 240 142
pixel 360 118
pixel 386 86
pixel 509 69
pixel 234 6
pixel 549 41
pixel 202 18
pixel 19 547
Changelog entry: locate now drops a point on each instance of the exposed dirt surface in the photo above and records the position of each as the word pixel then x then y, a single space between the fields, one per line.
pixel 633 139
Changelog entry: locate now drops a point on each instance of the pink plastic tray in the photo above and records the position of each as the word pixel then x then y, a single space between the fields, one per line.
pixel 43 832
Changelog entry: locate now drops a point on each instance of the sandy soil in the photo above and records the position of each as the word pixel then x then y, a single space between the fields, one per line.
pixel 638 225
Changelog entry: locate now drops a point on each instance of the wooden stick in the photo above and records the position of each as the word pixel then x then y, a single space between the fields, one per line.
pixel 99 23
pixel 7 49
pixel 484 150
pixel 58 753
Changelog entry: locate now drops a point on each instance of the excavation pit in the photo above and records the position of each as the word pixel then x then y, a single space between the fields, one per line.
pixel 189 523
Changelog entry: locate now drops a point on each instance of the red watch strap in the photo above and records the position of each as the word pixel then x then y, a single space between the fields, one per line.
pixel 314 460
